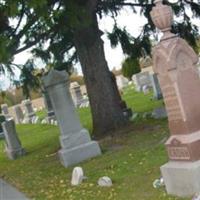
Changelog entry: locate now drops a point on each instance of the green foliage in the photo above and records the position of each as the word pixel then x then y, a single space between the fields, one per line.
pixel 130 66
pixel 57 24
pixel 54 23
pixel 28 80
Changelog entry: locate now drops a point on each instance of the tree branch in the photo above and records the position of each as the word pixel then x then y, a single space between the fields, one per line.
pixel 20 19
pixel 127 4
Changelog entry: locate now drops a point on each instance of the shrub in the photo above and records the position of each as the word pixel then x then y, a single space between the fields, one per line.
pixel 130 66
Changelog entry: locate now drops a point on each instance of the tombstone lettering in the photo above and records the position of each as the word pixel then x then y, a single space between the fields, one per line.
pixel 76 144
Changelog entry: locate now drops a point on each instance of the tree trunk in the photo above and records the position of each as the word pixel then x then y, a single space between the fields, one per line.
pixel 107 114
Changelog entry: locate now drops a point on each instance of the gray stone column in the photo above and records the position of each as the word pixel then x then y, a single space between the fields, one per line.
pixel 29 113
pixel 76 144
pixel 13 145
pixel 49 107
pixel 4 110
pixel 19 116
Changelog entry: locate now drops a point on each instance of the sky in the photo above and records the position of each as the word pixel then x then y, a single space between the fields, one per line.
pixel 133 23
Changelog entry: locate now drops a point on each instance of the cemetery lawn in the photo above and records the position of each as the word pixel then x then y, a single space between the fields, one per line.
pixel 132 160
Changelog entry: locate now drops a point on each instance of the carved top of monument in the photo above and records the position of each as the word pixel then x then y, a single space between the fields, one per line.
pixel 162 17
pixel 177 54
pixel 55 77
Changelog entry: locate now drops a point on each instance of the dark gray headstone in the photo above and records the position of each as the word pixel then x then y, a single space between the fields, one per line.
pixel 156 87
pixel 141 79
pixel 159 113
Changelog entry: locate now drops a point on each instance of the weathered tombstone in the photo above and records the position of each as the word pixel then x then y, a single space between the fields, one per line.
pixel 141 79
pixel 77 176
pixel 13 146
pixel 76 94
pixel 156 87
pixel 29 113
pixel 49 107
pixel 105 181
pixel 121 81
pixel 19 116
pixel 76 144
pixel 175 63
pixel 159 113
pixel 4 110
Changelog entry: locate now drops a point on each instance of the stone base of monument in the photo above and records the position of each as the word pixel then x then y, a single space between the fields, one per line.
pixel 14 154
pixel 181 178
pixel 79 153
pixel 74 139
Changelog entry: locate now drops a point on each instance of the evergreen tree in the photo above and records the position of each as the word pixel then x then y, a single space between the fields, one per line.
pixel 130 66
pixel 69 29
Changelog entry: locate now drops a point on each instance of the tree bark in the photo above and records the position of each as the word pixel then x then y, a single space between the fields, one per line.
pixel 107 114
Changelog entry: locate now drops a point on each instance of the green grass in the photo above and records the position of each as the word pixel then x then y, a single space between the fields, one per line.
pixel 41 114
pixel 132 161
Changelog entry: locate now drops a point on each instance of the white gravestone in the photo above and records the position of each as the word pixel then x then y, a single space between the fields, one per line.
pixel 13 146
pixel 76 144
pixel 77 176
pixel 76 94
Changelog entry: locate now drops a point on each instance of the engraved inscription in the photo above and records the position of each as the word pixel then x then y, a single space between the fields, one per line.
pixel 179 153
pixel 171 100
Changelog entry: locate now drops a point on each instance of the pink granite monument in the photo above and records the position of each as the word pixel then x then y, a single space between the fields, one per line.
pixel 175 64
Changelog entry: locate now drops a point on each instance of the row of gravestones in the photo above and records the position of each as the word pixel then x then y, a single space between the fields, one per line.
pixel 175 63
pixel 145 80
pixel 76 144
pixel 28 116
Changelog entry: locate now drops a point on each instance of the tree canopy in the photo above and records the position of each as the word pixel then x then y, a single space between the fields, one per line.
pixel 25 24
pixel 130 66
pixel 62 32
